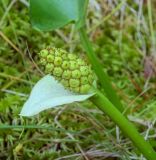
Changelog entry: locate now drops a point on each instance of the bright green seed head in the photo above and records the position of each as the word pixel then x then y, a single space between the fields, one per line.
pixel 66 74
pixel 50 58
pixel 85 88
pixel 74 83
pixel 57 71
pixel 43 53
pixel 76 74
pixel 57 61
pixel 73 72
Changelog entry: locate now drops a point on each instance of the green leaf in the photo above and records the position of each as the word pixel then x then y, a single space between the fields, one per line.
pixel 53 14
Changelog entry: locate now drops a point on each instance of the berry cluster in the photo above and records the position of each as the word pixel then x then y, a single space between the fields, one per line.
pixel 73 72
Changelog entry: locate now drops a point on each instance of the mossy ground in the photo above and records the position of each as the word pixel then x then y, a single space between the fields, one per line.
pixel 122 47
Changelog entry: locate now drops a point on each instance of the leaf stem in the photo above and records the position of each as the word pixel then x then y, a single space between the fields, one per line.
pixel 128 129
pixel 102 76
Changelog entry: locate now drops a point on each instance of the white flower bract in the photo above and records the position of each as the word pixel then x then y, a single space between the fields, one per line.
pixel 48 93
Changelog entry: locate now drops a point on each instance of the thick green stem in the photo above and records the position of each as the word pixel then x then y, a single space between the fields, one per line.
pixel 128 129
pixel 102 76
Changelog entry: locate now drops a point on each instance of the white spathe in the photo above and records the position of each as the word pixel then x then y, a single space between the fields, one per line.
pixel 48 93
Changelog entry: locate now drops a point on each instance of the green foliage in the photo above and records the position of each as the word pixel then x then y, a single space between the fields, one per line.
pixel 50 15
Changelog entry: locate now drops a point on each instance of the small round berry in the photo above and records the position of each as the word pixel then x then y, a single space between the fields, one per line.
pixel 58 61
pixel 91 78
pixel 57 71
pixel 50 58
pixel 43 53
pixel 72 56
pixel 64 82
pixel 66 74
pixel 85 88
pixel 65 65
pixel 80 62
pixel 76 74
pixel 84 80
pixel 74 83
pixel 49 68
pixel 73 65
pixel 76 89
pixel 84 70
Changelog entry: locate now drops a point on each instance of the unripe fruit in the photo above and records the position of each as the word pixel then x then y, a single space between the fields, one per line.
pixel 74 83
pixel 58 61
pixel 73 72
pixel 84 80
pixel 66 74
pixel 73 65
pixel 65 82
pixel 84 88
pixel 49 67
pixel 50 58
pixel 57 71
pixel 72 56
pixel 76 74
pixel 65 65
pixel 44 53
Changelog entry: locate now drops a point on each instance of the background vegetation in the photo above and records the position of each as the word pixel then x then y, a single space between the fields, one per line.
pixel 124 40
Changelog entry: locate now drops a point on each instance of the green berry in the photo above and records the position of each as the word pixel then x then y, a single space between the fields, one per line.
pixel 72 56
pixel 65 82
pixel 49 68
pixel 84 70
pixel 85 88
pixel 73 65
pixel 76 74
pixel 65 65
pixel 43 53
pixel 80 62
pixel 91 78
pixel 84 80
pixel 58 61
pixel 57 71
pixel 50 58
pixel 74 83
pixel 77 89
pixel 66 74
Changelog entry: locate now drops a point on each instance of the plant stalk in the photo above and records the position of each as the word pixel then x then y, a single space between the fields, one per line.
pixel 126 127
pixel 102 76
